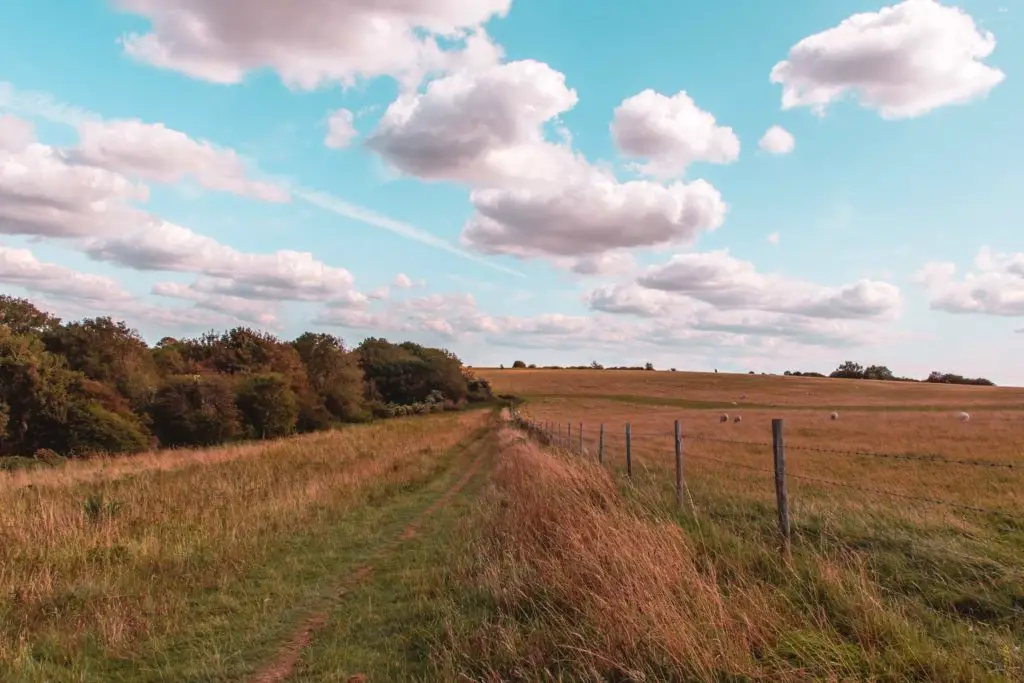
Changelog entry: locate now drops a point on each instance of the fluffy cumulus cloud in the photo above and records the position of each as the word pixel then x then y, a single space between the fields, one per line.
pixel 42 193
pixel 591 217
pixel 281 275
pixel 340 131
pixel 602 264
pixel 719 279
pixel 994 287
pixel 671 133
pixel 20 267
pixel 157 153
pixel 903 61
pixel 532 197
pixel 630 299
pixel 777 140
pixel 480 127
pixel 327 42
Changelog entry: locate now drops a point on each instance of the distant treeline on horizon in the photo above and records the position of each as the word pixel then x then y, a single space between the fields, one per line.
pixel 847 370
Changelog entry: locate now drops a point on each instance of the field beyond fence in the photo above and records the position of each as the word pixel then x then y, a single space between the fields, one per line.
pixel 987 489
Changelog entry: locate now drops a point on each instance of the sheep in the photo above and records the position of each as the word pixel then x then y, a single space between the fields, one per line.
pixel 737 418
pixel 834 416
pixel 964 417
pixel 724 417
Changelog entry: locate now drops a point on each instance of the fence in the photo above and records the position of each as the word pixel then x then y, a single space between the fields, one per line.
pixel 562 435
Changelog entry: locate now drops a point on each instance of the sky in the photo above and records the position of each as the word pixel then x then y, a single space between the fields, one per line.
pixel 748 185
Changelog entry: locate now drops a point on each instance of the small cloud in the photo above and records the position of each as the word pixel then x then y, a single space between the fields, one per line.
pixel 380 293
pixel 402 281
pixel 340 131
pixel 777 140
pixel 773 238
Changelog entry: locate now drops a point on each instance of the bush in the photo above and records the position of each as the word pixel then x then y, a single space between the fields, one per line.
pixel 269 408
pixel 91 429
pixel 518 364
pixel 195 411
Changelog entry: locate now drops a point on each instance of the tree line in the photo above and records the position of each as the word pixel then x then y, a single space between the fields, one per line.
pixel 853 370
pixel 94 385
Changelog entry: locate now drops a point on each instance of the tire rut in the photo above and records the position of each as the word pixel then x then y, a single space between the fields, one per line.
pixel 283 664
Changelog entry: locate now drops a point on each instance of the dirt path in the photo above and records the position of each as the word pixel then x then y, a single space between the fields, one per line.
pixel 283 664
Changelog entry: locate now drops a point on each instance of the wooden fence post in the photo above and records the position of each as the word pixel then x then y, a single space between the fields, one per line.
pixel 600 445
pixel 781 497
pixel 679 465
pixel 629 452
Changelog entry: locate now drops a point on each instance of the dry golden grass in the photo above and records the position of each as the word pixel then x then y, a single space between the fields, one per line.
pixel 117 550
pixel 766 390
pixel 585 584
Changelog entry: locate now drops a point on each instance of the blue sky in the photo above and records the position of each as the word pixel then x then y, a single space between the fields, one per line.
pixel 553 180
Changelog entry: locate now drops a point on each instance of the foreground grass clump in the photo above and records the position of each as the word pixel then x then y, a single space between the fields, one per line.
pixel 574 579
pixel 106 560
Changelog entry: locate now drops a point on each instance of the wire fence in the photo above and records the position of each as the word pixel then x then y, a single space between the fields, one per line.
pixel 605 443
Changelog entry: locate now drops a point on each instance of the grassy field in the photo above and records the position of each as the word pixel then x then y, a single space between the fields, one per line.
pixel 449 547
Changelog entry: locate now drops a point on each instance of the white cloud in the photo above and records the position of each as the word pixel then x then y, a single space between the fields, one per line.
pixel 327 42
pixel 717 278
pixel 45 107
pixel 533 198
pixel 777 140
pixel 631 300
pixel 280 275
pixel 903 61
pixel 42 193
pixel 257 312
pixel 592 217
pixel 995 287
pixel 402 281
pixel 15 134
pixel 161 154
pixel 482 128
pixel 21 268
pixel 606 263
pixel 773 238
pixel 340 131
pixel 671 133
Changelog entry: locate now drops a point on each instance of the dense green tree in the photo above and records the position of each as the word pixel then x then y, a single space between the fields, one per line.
pixel 268 406
pixel 195 411
pixel 21 316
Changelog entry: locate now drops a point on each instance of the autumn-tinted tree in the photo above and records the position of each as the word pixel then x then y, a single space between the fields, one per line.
pixel 333 374
pixel 21 316
pixel 269 408
pixel 195 411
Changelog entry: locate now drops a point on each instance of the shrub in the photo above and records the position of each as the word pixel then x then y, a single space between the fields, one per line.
pixel 518 364
pixel 269 408
pixel 91 428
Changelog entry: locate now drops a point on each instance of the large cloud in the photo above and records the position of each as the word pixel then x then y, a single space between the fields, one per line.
pixel 42 193
pixel 904 61
pixel 532 197
pixel 322 41
pixel 671 133
pixel 280 275
pixel 21 268
pixel 260 313
pixel 161 154
pixel 721 280
pixel 482 128
pixel 995 287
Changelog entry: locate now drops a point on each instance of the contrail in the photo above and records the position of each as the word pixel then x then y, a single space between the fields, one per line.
pixel 44 106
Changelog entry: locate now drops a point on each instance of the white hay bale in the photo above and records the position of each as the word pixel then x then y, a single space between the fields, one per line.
pixel 834 416
pixel 724 417
pixel 737 419
pixel 963 417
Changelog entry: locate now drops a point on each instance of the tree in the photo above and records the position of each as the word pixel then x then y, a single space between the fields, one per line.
pixel 648 366
pixel 269 408
pixel 849 370
pixel 21 316
pixel 334 375
pixel 879 372
pixel 518 364
pixel 195 411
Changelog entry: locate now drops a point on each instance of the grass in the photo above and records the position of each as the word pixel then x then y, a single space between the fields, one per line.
pixel 546 565
pixel 193 566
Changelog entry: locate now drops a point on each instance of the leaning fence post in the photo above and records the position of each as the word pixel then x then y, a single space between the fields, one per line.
pixel 781 497
pixel 600 445
pixel 629 452
pixel 679 464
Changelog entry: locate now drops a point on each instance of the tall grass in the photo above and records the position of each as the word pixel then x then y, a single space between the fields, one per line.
pixel 585 577
pixel 104 554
